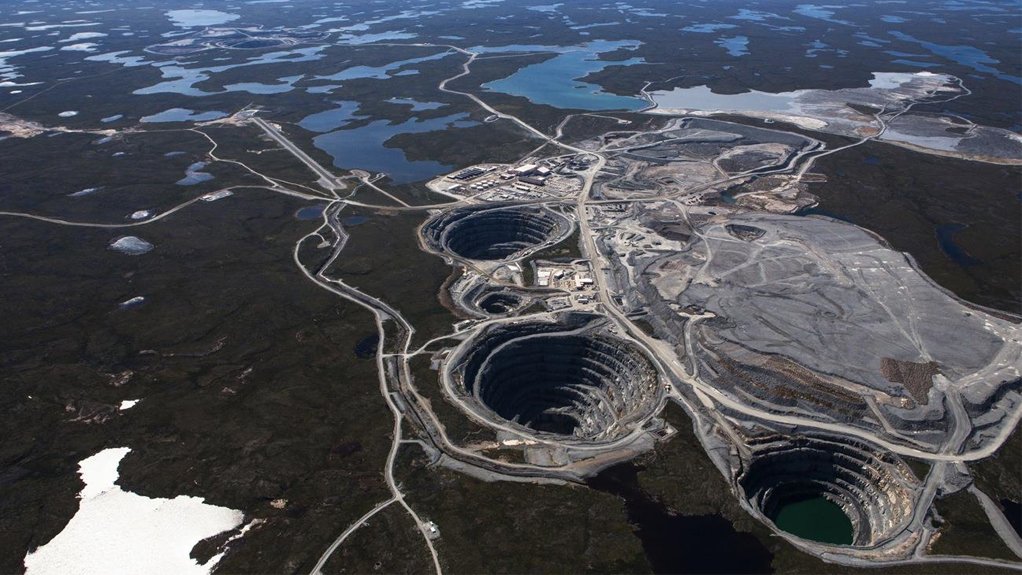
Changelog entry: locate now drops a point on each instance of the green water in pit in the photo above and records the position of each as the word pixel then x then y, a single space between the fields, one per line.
pixel 817 519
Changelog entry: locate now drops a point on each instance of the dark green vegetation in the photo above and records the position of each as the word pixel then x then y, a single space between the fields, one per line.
pixel 585 126
pixel 967 530
pixel 618 525
pixel 251 389
pixel 229 352
pixel 389 543
pixel 906 197
pixel 681 476
pixel 566 249
pixel 518 527
pixel 383 259
pixel 919 467
pixel 36 176
pixel 458 426
pixel 998 476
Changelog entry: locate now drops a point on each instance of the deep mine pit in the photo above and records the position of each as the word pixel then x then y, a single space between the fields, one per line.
pixel 499 302
pixel 585 385
pixel 495 233
pixel 830 491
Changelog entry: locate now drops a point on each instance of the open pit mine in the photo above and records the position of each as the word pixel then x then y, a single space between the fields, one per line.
pixel 813 360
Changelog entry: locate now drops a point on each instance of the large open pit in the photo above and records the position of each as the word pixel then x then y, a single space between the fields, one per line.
pixel 497 303
pixel 806 484
pixel 579 383
pixel 495 233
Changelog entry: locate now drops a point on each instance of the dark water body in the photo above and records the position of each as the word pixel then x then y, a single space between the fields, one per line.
pixel 310 213
pixel 1013 512
pixel 946 238
pixel 872 160
pixel 816 519
pixel 367 346
pixel 678 543
pixel 354 220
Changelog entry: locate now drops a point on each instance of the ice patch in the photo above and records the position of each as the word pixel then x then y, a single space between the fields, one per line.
pixel 116 531
pixel 893 80
pixel 140 215
pixel 193 175
pixel 735 45
pixel 10 72
pixel 131 245
pixel 189 18
pixel 68 114
pixel 83 36
pixel 218 195
pixel 703 98
pixel 71 24
pixel 707 28
pixel 83 47
pixel 84 192
pixel 133 302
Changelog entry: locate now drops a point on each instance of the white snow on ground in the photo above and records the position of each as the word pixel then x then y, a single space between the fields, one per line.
pixel 116 531
pixel 129 303
pixel 68 114
pixel 128 404
pixel 190 18
pixel 83 47
pixel 131 245
pixel 83 36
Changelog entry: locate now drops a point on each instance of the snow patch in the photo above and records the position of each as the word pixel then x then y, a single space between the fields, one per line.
pixel 83 47
pixel 118 532
pixel 128 404
pixel 84 192
pixel 131 245
pixel 83 36
pixel 133 302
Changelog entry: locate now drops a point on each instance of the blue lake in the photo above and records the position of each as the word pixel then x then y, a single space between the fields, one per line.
pixel 380 72
pixel 182 115
pixel 332 119
pixel 194 176
pixel 364 148
pixel 354 220
pixel 707 28
pixel 965 55
pixel 555 81
pixel 735 45
pixel 181 80
pixel 416 105
pixel 309 213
